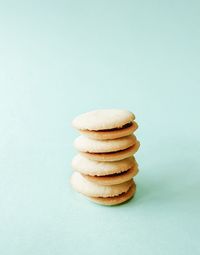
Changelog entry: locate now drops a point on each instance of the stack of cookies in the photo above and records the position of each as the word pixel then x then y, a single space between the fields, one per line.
pixel 105 166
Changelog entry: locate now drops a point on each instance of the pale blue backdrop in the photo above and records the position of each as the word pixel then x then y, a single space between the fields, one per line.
pixel 61 58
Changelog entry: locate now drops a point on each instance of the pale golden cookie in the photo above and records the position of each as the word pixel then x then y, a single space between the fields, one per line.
pixel 99 168
pixel 91 189
pixel 103 119
pixel 113 179
pixel 117 199
pixel 85 144
pixel 113 156
pixel 126 130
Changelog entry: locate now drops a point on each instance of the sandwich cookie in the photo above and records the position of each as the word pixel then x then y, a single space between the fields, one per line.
pixel 91 189
pixel 106 124
pixel 113 179
pixel 85 144
pixel 99 168
pixel 114 133
pixel 117 199
pixel 113 156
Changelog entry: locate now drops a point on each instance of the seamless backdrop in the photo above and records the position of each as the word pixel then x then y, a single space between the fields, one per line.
pixel 61 58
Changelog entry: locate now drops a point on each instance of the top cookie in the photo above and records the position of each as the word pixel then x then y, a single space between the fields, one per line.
pixel 104 119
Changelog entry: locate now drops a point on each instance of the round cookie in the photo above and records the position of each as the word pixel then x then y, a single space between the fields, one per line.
pixel 87 188
pixel 111 133
pixel 117 199
pixel 85 144
pixel 113 179
pixel 99 168
pixel 113 156
pixel 103 119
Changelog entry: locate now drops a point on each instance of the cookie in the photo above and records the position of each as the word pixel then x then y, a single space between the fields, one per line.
pixel 99 168
pixel 113 179
pixel 85 144
pixel 104 119
pixel 114 133
pixel 113 156
pixel 117 199
pixel 91 189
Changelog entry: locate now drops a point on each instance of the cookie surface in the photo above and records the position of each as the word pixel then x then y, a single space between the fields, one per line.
pixel 113 156
pixel 82 185
pixel 113 179
pixel 99 168
pixel 112 133
pixel 117 199
pixel 85 144
pixel 103 119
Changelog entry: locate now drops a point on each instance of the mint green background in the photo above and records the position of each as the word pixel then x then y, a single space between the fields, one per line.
pixel 61 58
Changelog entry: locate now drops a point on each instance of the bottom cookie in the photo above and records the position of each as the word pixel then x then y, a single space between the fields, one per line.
pixel 116 199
